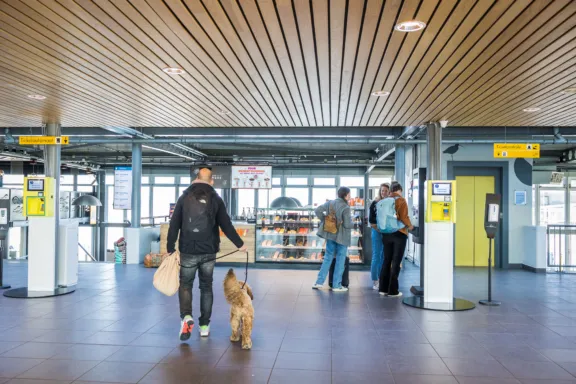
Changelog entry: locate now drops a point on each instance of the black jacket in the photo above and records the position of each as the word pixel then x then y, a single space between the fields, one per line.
pixel 212 244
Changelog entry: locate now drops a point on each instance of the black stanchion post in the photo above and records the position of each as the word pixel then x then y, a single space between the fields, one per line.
pixel 491 224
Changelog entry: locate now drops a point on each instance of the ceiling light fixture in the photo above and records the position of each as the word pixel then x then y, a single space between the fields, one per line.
pixel 410 26
pixel 37 97
pixel 533 109
pixel 380 93
pixel 569 91
pixel 173 70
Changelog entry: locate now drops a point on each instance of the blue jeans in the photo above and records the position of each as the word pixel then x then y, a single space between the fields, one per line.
pixel 340 251
pixel 377 255
pixel 189 264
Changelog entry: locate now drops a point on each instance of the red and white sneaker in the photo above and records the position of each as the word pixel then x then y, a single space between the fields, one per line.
pixel 186 328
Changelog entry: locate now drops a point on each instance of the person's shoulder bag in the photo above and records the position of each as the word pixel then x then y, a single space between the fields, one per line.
pixel 167 277
pixel 330 221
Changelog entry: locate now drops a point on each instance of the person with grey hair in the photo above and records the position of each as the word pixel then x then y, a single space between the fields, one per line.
pixel 336 227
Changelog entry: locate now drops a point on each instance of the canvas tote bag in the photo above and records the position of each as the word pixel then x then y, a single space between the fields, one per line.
pixel 167 277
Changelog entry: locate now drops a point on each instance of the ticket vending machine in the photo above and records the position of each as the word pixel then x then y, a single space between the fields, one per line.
pixel 39 196
pixel 439 250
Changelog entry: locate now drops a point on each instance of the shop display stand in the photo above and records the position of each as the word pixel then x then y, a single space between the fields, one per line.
pixel 289 235
pixel 490 302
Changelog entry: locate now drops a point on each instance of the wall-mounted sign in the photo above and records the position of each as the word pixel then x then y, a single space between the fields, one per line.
pixel 557 178
pixel 252 177
pixel 43 140
pixel 517 150
pixel 519 197
pixel 222 174
pixel 122 188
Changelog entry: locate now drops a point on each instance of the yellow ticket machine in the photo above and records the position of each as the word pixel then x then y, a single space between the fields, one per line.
pixel 441 202
pixel 39 196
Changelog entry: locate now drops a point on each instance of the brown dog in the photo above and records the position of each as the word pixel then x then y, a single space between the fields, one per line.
pixel 242 311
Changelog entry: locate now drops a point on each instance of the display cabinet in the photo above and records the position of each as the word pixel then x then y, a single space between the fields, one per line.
pixel 290 236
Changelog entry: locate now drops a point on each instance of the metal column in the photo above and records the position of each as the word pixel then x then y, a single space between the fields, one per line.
pixel 400 165
pixel 434 146
pixel 52 169
pixel 100 249
pixel 136 184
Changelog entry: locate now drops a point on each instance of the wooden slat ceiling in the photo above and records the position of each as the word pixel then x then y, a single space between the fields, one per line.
pixel 287 62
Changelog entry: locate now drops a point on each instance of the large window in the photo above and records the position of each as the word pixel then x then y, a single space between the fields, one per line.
pixel 321 195
pixel 163 197
pixel 300 194
pixel 267 196
pixel 552 206
pixel 352 181
pixel 245 201
pixel 297 181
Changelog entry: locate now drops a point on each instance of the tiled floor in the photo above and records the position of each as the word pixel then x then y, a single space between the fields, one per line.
pixel 117 329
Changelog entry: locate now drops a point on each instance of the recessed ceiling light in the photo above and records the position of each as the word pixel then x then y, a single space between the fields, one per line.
pixel 569 91
pixel 37 97
pixel 380 93
pixel 410 26
pixel 173 70
pixel 222 112
pixel 533 109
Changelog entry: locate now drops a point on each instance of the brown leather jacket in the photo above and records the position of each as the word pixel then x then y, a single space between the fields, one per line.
pixel 402 212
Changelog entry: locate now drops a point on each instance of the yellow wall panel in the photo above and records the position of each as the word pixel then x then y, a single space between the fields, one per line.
pixel 465 222
pixel 483 185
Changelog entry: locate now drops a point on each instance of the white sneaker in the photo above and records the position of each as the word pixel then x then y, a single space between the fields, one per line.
pixel 398 295
pixel 376 285
pixel 382 294
pixel 341 289
pixel 317 286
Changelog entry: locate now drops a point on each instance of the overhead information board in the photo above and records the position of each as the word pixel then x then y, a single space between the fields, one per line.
pixel 517 150
pixel 43 140
pixel 122 188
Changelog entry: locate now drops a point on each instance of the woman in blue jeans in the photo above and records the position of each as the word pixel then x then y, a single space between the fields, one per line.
pixel 336 243
pixel 377 248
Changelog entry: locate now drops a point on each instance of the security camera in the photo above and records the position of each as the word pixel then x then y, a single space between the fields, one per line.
pixel 443 123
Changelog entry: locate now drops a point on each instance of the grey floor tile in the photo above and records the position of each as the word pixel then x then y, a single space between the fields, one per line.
pixel 535 370
pixel 112 338
pixel 68 336
pixel 306 345
pixel 176 373
pixel 37 350
pixel 423 379
pixel 237 376
pixel 476 368
pixel 8 345
pixel 361 378
pixel 133 354
pixel 560 355
pixel 10 368
pixel 30 381
pixel 485 380
pixel 303 361
pixel 518 353
pixel 411 350
pixel 185 355
pixel 418 366
pixel 359 363
pixel 462 352
pixel 87 352
pixel 59 370
pixel 118 372
pixel 536 381
pixel 289 376
pixel 247 359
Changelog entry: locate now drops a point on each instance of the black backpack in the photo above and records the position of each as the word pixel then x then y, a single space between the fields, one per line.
pixel 198 218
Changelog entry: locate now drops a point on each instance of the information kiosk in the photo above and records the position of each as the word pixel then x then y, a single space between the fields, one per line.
pixel 439 250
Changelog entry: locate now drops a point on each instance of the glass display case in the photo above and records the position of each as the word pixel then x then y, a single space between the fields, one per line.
pixel 290 236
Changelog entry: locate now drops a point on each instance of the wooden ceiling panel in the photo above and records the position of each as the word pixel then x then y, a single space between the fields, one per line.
pixel 284 63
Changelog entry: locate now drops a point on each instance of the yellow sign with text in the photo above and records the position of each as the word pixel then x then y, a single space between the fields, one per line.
pixel 43 140
pixel 517 150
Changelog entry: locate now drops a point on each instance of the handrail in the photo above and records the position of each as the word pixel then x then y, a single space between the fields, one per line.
pixel 87 253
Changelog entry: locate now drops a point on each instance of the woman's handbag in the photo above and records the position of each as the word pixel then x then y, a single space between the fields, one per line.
pixel 330 221
pixel 167 277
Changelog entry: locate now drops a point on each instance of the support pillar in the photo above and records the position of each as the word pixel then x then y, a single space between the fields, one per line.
pixel 44 249
pixel 434 146
pixel 100 236
pixel 400 165
pixel 134 234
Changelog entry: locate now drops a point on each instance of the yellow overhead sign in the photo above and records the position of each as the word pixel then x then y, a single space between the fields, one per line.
pixel 515 150
pixel 43 140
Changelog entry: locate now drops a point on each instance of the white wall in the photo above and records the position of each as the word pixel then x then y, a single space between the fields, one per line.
pixel 518 215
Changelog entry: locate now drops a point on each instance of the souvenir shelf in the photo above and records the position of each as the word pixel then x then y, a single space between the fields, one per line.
pixel 290 236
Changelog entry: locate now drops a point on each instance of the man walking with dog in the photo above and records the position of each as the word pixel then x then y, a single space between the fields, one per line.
pixel 197 217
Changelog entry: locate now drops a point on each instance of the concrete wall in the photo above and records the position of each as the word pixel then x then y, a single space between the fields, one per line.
pixel 518 215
